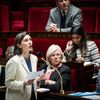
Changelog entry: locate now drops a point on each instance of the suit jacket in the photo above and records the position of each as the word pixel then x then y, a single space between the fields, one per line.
pixel 65 73
pixel 73 17
pixel 15 74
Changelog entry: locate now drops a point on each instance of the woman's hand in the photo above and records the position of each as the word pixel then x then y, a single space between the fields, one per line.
pixel 50 82
pixel 28 82
pixel 80 59
pixel 69 46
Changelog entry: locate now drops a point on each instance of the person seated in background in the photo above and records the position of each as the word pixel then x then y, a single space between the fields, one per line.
pixel 63 17
pixel 51 79
pixel 81 50
pixel 9 52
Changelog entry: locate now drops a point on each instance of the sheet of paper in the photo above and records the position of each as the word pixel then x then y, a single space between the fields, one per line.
pixel 43 90
pixel 92 97
pixel 84 93
pixel 88 63
pixel 33 75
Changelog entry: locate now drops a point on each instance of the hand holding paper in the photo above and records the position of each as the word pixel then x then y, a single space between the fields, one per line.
pixel 33 75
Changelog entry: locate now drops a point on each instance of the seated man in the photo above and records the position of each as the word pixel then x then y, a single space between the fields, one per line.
pixel 63 17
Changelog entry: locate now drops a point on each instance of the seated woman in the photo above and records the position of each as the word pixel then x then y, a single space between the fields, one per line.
pixel 51 79
pixel 82 50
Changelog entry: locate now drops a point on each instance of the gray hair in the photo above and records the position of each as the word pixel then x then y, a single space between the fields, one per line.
pixel 51 50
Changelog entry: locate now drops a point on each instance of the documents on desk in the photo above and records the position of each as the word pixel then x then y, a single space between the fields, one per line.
pixel 33 75
pixel 88 95
pixel 84 93
pixel 43 90
pixel 88 64
pixel 92 97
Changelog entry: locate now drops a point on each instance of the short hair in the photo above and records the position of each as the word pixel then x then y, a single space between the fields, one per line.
pixel 18 40
pixel 51 50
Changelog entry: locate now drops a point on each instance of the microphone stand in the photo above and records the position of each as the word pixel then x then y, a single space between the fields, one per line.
pixel 61 89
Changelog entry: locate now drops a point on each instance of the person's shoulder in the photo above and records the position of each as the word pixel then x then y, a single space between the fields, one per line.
pixel 65 67
pixel 74 8
pixel 54 9
pixel 16 57
pixel 90 42
pixel 34 56
pixel 13 59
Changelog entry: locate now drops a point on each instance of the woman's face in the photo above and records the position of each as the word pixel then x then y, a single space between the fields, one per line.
pixel 76 39
pixel 55 58
pixel 26 44
pixel 63 4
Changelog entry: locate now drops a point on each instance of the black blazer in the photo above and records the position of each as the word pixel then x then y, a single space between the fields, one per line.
pixel 65 73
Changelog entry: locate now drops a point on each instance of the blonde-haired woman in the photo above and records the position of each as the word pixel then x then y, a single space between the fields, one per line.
pixel 51 79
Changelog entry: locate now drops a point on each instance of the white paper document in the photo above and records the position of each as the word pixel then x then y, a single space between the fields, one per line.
pixel 88 64
pixel 43 90
pixel 92 97
pixel 33 75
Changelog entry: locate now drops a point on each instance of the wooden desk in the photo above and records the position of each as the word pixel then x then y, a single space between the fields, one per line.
pixel 84 75
pixel 48 96
pixel 2 93
pixel 57 96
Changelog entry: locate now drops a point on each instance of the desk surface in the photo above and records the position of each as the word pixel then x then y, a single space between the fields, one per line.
pixel 57 96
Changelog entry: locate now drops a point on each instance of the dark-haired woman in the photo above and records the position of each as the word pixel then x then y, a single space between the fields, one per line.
pixel 18 68
pixel 82 50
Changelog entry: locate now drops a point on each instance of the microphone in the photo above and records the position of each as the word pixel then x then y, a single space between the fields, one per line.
pixel 61 88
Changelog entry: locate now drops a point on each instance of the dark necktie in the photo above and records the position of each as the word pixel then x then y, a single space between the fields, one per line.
pixel 63 18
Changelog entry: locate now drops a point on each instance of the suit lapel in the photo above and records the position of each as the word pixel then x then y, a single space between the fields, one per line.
pixel 23 62
pixel 57 17
pixel 32 63
pixel 68 15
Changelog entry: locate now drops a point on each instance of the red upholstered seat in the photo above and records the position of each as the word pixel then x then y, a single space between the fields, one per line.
pixel 4 18
pixel 10 41
pixel 1 49
pixel 98 20
pixel 42 44
pixel 17 21
pixel 73 80
pixel 89 18
pixel 37 19
pixel 1 52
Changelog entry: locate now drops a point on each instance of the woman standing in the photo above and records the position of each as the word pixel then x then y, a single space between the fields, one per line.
pixel 18 68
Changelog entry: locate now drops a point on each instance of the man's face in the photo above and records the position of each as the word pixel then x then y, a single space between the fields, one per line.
pixel 63 4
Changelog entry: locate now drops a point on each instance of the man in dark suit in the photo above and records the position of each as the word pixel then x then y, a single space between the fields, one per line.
pixel 63 17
